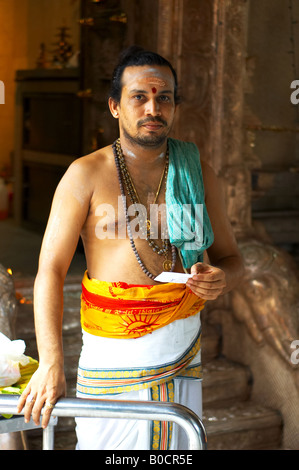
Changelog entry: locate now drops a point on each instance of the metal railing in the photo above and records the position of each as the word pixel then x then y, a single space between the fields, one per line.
pixel 158 411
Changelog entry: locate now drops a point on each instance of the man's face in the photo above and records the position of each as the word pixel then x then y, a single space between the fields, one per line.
pixel 147 108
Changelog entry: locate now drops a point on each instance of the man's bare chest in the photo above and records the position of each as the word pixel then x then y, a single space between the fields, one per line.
pixel 111 213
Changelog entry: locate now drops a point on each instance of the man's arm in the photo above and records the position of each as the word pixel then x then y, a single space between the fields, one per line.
pixel 226 268
pixel 67 217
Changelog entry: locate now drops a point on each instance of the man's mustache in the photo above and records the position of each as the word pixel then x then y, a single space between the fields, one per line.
pixel 152 119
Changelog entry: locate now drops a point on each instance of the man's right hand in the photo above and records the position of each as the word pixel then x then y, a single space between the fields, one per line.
pixel 46 386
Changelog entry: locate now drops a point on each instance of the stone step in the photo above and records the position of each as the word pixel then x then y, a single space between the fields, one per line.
pixel 244 426
pixel 225 383
pixel 210 343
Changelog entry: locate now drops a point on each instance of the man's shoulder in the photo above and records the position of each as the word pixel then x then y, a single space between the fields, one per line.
pixel 84 174
pixel 99 156
pixel 88 164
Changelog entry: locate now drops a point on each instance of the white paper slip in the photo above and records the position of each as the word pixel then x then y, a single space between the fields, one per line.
pixel 178 278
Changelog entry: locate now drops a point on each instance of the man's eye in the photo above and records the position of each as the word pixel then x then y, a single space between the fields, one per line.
pixel 164 98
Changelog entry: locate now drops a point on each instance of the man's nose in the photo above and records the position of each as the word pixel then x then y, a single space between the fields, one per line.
pixel 152 107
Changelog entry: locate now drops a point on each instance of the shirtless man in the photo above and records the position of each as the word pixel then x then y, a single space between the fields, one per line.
pixel 145 109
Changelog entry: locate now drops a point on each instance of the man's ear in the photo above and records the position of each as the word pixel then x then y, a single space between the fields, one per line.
pixel 113 106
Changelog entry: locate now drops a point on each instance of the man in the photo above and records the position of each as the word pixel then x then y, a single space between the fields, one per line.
pixel 140 337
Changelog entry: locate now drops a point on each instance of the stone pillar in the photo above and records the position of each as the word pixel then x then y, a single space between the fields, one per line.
pixel 206 42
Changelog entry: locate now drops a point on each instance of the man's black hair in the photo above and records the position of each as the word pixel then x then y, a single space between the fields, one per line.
pixel 136 55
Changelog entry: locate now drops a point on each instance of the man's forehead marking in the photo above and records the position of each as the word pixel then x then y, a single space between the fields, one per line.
pixel 155 81
pixel 152 77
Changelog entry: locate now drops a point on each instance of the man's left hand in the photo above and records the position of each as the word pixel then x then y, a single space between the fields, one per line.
pixel 207 282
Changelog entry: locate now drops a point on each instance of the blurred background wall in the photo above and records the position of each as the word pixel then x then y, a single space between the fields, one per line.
pixel 25 24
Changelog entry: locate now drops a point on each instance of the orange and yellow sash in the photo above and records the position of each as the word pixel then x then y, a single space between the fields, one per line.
pixel 120 310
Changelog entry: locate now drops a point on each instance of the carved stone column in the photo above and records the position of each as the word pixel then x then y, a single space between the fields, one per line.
pixel 229 156
pixel 186 39
pixel 206 42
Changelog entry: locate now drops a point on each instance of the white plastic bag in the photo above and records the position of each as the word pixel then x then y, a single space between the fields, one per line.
pixel 11 356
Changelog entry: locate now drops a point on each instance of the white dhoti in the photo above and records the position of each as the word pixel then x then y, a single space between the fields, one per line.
pixel 156 352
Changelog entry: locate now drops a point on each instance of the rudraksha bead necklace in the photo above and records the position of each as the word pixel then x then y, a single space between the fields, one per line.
pixel 125 177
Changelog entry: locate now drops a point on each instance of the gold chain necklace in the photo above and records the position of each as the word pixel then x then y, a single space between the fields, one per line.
pixel 132 192
pixel 124 175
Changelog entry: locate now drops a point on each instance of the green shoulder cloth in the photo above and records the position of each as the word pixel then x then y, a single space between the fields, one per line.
pixel 189 226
